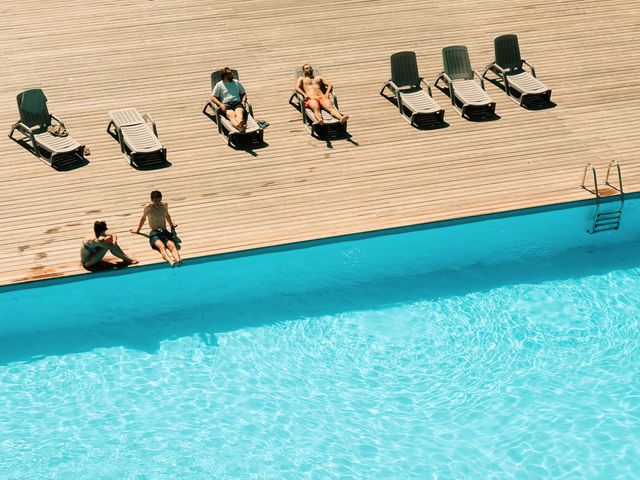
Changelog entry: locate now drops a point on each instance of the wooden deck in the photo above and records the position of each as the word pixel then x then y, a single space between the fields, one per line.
pixel 157 56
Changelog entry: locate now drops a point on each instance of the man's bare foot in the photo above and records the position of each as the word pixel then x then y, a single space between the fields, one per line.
pixel 344 119
pixel 172 263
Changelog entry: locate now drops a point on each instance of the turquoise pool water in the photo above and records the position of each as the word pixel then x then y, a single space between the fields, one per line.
pixel 505 351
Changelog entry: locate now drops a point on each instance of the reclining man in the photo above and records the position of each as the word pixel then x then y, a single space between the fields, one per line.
pixel 229 95
pixel 310 87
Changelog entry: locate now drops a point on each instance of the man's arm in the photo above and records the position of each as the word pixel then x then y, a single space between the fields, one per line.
pixel 172 225
pixel 327 85
pixel 299 88
pixel 214 98
pixel 141 224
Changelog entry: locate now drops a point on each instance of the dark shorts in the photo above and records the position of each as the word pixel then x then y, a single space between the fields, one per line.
pixel 233 105
pixel 160 234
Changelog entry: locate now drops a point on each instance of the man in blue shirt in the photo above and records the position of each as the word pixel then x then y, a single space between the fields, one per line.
pixel 229 95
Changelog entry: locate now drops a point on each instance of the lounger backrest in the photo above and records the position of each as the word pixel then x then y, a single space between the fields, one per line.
pixel 215 76
pixel 456 62
pixel 32 105
pixel 404 69
pixel 507 51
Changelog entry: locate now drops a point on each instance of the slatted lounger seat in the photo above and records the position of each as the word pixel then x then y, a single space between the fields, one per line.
pixel 520 86
pixel 35 119
pixel 416 105
pixel 225 128
pixel 331 127
pixel 138 142
pixel 467 97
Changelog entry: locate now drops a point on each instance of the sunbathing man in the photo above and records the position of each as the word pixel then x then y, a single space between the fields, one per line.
pixel 310 87
pixel 160 238
pixel 96 245
pixel 229 95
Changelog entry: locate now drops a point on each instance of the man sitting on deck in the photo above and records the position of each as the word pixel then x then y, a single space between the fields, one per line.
pixel 311 87
pixel 229 95
pixel 160 238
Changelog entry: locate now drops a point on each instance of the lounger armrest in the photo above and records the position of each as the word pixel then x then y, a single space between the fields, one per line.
pixel 147 118
pixel 533 70
pixel 57 120
pixel 475 72
pixel 493 67
pixel 396 92
pixel 27 131
pixel 426 83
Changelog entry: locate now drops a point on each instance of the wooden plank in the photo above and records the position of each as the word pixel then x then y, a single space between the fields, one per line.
pixel 157 57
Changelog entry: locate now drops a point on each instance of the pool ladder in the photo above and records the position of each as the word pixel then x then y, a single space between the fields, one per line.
pixel 608 219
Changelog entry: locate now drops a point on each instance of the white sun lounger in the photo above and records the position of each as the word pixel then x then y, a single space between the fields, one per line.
pixel 138 142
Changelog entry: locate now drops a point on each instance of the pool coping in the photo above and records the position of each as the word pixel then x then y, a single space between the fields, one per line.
pixel 321 241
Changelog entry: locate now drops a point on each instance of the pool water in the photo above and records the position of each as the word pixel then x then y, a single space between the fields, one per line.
pixel 523 368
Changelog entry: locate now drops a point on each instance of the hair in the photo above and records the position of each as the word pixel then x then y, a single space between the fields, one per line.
pixel 306 65
pixel 156 194
pixel 224 71
pixel 99 227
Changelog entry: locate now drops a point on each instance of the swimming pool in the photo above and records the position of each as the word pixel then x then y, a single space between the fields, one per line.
pixel 506 347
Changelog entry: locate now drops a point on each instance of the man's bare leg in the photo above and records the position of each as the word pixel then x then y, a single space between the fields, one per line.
pixel 95 257
pixel 163 251
pixel 314 105
pixel 236 117
pixel 111 243
pixel 328 105
pixel 174 251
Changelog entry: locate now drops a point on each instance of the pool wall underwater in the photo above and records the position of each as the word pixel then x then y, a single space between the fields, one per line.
pixel 262 277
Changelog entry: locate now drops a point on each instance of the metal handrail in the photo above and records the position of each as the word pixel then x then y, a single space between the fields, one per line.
pixel 615 162
pixel 595 180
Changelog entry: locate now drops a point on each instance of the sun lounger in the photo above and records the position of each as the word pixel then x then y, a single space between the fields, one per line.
pixel 138 142
pixel 416 105
pixel 34 123
pixel 331 127
pixel 467 97
pixel 520 86
pixel 226 130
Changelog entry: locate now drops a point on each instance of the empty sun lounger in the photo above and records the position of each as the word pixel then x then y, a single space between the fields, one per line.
pixel 138 142
pixel 467 97
pixel 230 133
pixel 34 123
pixel 331 127
pixel 520 86
pixel 416 105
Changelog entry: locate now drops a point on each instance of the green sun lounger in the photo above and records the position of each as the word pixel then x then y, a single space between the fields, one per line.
pixel 521 87
pixel 467 97
pixel 58 151
pixel 416 105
